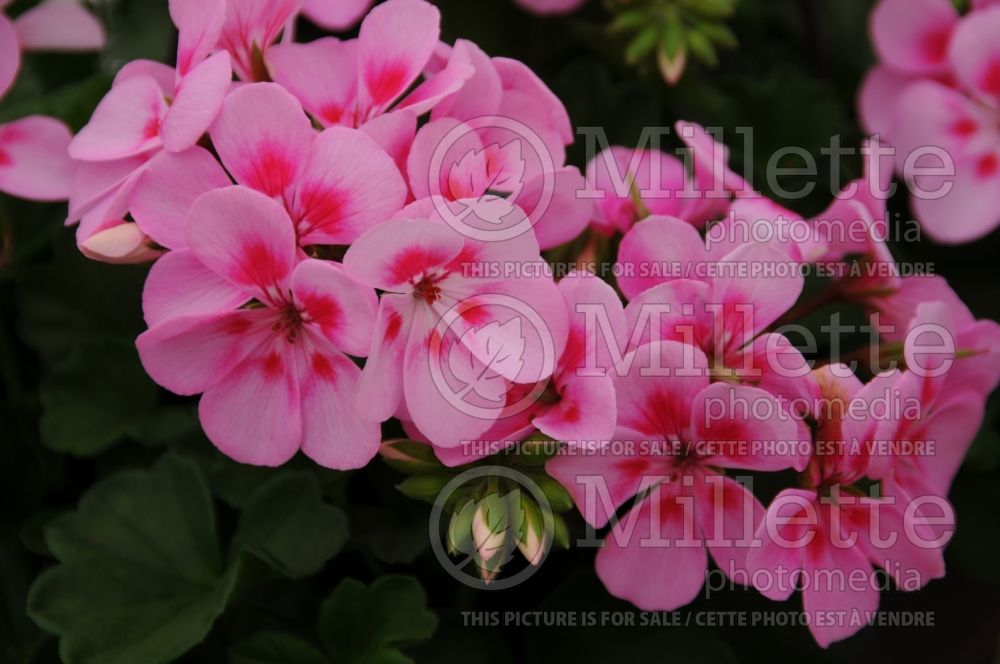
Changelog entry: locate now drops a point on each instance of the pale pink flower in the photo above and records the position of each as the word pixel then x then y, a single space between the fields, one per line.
pixel 33 160
pixel 666 442
pixel 275 375
pixel 433 276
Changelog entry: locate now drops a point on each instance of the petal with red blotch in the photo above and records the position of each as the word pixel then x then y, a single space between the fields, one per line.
pixel 679 308
pixel 975 55
pixel 199 24
pixel 33 159
pixel 728 516
pixel 348 185
pixel 187 355
pixel 912 36
pixel 738 424
pixel 179 285
pixel 380 388
pixel 910 565
pixel 585 413
pixel 764 297
pixel 263 136
pixel 947 119
pixel 396 40
pixel 446 159
pixel 439 86
pixel 335 307
pixel 654 392
pixel 393 254
pixel 823 596
pixel 772 363
pixel 322 75
pixel 671 575
pixel 602 482
pixel 337 15
pixel 481 93
pixel 774 567
pixel 244 237
pixel 657 242
pixel 968 210
pixel 197 101
pixel 442 407
pixel 879 91
pixel 120 244
pixel 124 124
pixel 515 75
pixel 588 300
pixel 59 25
pixel 564 215
pixel 394 132
pixel 334 435
pixel 254 415
pixel 10 55
pixel 167 189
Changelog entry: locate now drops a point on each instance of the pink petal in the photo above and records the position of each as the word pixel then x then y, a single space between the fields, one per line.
pixel 463 160
pixel 179 285
pixel 752 418
pixel 396 40
pixel 585 413
pixel 438 86
pixel 167 189
pixel 683 310
pixel 654 250
pixel 334 435
pixel 380 388
pixel 975 54
pixel 254 415
pixel 482 91
pixel 336 15
pixel 244 237
pixel 335 307
pixel 34 163
pixel 59 25
pixel 582 290
pixel 879 91
pixel 348 185
pixel 728 516
pixel 785 517
pixel 671 576
pixel 263 137
pixel 10 55
pixel 164 75
pixel 392 255
pixel 188 355
pixel 394 132
pixel 517 76
pixel 897 310
pixel 768 290
pixel 124 124
pixel 711 161
pixel 912 36
pixel 834 599
pixel 550 7
pixel 197 101
pixel 565 215
pixel 199 24
pixel 322 75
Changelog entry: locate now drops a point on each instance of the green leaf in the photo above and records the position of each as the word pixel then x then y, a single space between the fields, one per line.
pixel 286 524
pixel 423 487
pixel 275 648
pixel 701 47
pixel 559 498
pixel 642 45
pixel 141 577
pixel 360 625
pixel 411 457
pixel 95 397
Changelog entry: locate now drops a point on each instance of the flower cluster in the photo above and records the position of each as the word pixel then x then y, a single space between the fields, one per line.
pixel 938 84
pixel 352 232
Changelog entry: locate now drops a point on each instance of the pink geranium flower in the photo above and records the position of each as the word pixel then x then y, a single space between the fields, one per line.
pixel 273 371
pixel 150 108
pixel 825 538
pixel 550 7
pixel 33 161
pixel 440 306
pixel 577 404
pixel 671 448
pixel 54 25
